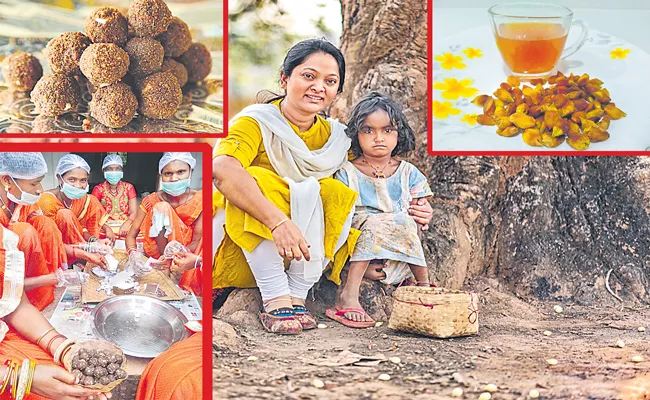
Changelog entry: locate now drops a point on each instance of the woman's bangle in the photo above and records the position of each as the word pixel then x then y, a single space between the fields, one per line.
pixel 280 223
pixel 32 370
pixel 5 380
pixel 59 350
pixel 23 380
pixel 14 380
pixel 47 348
pixel 38 341
pixel 130 250
pixel 198 262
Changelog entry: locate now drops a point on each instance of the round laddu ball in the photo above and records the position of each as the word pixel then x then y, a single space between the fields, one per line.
pixel 113 106
pixel 99 372
pixel 21 71
pixel 177 69
pixel 112 367
pixel 89 371
pixel 64 51
pixel 83 354
pixel 79 363
pixel 177 39
pixel 55 95
pixel 104 63
pixel 105 380
pixel 88 381
pixel 149 18
pixel 197 61
pixel 145 55
pixel 107 25
pixel 120 374
pixel 160 95
pixel 116 359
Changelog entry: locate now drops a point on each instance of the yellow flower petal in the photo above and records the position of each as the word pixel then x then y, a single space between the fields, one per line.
pixel 619 53
pixel 469 118
pixel 444 109
pixel 453 89
pixel 450 61
pixel 471 52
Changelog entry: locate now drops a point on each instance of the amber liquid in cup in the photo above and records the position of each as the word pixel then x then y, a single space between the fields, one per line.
pixel 531 36
pixel 531 48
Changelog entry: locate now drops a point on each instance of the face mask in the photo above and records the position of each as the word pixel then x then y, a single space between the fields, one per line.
pixel 113 176
pixel 175 188
pixel 73 193
pixel 26 199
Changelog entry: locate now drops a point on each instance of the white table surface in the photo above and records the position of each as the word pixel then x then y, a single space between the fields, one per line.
pixel 631 25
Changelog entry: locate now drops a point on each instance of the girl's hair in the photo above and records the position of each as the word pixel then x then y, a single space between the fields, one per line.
pixel 370 103
pixel 297 55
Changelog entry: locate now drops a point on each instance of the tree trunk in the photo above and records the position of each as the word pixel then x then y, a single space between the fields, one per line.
pixel 385 48
pixel 548 227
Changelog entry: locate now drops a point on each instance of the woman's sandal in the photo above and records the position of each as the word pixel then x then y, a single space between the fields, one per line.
pixel 339 316
pixel 282 321
pixel 307 319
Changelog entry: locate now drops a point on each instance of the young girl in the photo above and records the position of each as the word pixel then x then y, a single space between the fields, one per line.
pixel 389 248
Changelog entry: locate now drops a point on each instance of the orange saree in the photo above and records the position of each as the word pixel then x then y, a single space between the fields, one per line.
pixel 85 213
pixel 13 345
pixel 175 374
pixel 42 244
pixel 180 218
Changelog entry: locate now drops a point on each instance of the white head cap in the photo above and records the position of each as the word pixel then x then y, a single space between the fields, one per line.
pixel 69 162
pixel 23 165
pixel 112 159
pixel 169 157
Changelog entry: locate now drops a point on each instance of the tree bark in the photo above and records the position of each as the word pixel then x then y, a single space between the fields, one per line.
pixel 546 227
pixel 385 48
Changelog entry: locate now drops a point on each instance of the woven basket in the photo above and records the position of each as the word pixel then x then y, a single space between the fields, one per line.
pixel 436 312
pixel 96 345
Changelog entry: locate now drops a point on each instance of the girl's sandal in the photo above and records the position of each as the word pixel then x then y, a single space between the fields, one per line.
pixel 281 321
pixel 307 319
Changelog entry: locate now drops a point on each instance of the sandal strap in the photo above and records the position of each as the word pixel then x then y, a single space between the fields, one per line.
pixel 300 309
pixel 281 312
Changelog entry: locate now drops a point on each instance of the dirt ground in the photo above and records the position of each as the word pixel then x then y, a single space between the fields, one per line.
pixel 510 352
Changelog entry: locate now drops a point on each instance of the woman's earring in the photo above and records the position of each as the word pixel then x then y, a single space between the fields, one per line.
pixel 6 188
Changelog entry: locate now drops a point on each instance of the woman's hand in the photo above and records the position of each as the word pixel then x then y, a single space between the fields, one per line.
pixel 124 229
pixel 183 261
pixel 96 259
pixel 290 242
pixel 110 235
pixel 54 382
pixel 422 212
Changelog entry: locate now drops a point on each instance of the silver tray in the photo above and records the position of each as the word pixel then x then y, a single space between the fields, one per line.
pixel 141 326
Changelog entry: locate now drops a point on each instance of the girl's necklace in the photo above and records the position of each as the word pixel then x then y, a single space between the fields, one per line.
pixel 378 172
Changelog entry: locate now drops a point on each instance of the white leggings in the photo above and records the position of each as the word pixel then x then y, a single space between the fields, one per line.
pixel 268 266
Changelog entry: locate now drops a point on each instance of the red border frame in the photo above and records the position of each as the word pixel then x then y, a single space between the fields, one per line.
pixel 206 152
pixel 101 136
pixel 432 152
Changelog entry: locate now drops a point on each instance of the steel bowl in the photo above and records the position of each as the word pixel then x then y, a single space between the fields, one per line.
pixel 141 326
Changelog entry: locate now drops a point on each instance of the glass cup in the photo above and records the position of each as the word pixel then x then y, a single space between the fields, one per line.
pixel 531 36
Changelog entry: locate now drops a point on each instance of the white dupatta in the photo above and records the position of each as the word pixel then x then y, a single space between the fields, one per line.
pixel 301 168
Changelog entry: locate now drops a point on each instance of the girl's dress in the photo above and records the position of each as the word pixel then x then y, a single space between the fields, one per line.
pixel 388 232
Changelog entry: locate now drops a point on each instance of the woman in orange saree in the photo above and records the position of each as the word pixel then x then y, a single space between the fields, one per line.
pixel 79 216
pixel 29 345
pixel 173 213
pixel 40 240
pixel 117 196
pixel 175 374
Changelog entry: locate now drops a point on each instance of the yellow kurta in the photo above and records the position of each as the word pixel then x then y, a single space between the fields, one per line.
pixel 244 142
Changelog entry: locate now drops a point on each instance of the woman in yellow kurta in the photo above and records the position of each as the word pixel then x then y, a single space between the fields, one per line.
pixel 266 143
pixel 276 200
